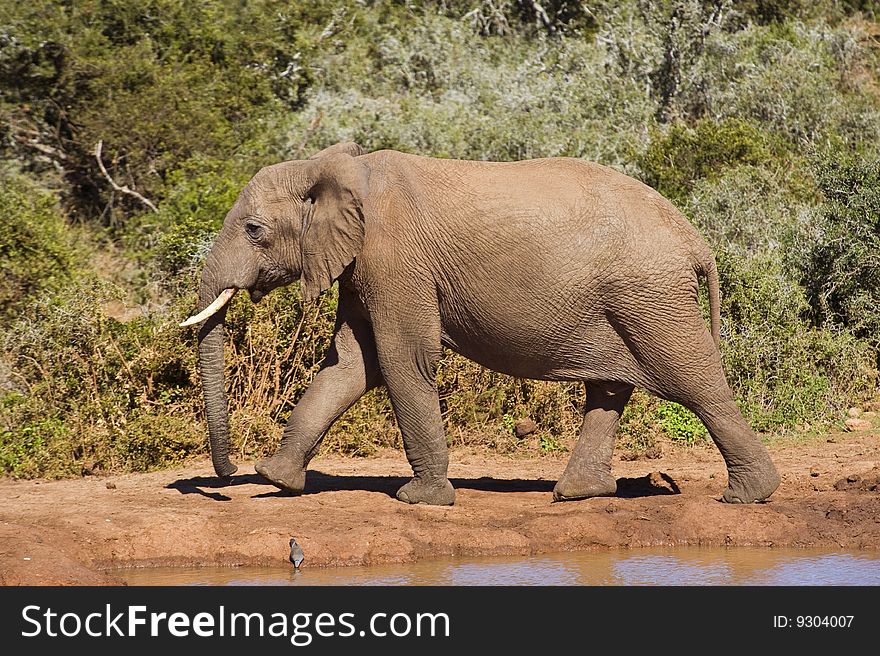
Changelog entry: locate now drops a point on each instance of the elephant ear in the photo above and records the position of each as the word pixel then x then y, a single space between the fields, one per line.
pixel 333 228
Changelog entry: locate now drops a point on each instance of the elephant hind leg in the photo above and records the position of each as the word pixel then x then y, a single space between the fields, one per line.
pixel 683 365
pixel 588 473
pixel 751 474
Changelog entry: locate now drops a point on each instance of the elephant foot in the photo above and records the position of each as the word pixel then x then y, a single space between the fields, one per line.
pixel 283 472
pixel 569 488
pixel 751 485
pixel 432 493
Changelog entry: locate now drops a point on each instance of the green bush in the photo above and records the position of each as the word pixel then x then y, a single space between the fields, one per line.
pixel 841 267
pixel 151 440
pixel 785 372
pixel 86 383
pixel 675 161
pixel 679 423
pixel 510 98
pixel 159 82
pixel 197 197
pixel 36 249
pixel 504 17
pixel 804 83
pixel 751 209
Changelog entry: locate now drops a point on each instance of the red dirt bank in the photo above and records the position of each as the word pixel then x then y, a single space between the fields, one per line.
pixel 78 531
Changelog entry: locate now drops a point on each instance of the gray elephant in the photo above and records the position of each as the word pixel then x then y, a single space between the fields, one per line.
pixel 552 269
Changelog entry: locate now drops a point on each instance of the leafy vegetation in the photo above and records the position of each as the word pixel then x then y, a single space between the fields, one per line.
pixel 759 119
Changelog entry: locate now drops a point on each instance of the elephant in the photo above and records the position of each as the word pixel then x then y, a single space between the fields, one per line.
pixel 554 269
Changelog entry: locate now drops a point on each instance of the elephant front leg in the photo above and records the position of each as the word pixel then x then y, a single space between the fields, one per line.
pixel 588 473
pixel 350 369
pixel 409 369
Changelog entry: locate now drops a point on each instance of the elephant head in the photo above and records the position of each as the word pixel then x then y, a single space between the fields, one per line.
pixel 298 220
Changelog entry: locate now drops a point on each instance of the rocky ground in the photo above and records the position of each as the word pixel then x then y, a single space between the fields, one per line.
pixel 82 531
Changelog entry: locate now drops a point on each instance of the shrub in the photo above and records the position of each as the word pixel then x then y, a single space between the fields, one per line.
pixel 678 159
pixel 804 83
pixel 510 98
pixel 197 197
pixel 679 423
pixel 87 383
pixel 784 371
pixel 841 267
pixel 749 209
pixel 36 250
pixel 504 17
pixel 187 77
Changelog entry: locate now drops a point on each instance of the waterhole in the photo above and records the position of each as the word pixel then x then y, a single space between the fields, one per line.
pixel 668 566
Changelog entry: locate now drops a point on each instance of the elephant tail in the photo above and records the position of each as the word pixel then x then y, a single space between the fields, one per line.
pixel 709 269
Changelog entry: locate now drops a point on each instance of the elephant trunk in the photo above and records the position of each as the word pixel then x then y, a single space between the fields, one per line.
pixel 211 338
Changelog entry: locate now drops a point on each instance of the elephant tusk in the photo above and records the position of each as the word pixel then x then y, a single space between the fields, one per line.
pixel 221 300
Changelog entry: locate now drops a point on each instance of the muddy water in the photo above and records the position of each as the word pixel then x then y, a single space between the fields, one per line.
pixel 678 566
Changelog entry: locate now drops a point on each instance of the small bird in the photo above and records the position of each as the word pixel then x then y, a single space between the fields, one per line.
pixel 296 553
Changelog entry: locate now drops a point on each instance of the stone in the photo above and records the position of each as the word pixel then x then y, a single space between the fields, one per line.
pixel 857 424
pixel 661 481
pixel 854 412
pixel 524 427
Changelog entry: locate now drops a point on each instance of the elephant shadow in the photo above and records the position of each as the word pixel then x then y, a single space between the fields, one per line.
pixel 200 484
pixel 318 481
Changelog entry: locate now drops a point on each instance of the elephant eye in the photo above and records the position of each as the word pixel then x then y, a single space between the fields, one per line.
pixel 253 230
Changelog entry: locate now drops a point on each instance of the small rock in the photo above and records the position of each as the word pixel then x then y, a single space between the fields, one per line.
pixel 851 482
pixel 652 453
pixel 854 412
pixel 110 485
pixel 857 424
pixel 814 472
pixel 524 427
pixel 659 480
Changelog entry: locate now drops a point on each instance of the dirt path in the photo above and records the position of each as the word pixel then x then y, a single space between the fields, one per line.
pixel 79 531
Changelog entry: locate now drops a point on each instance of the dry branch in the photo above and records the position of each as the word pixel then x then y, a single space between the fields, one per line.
pixel 121 188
